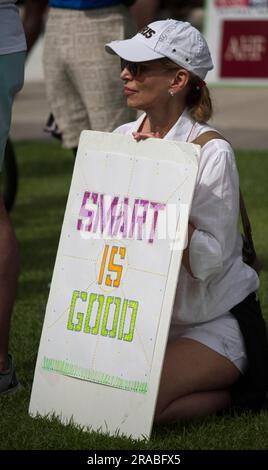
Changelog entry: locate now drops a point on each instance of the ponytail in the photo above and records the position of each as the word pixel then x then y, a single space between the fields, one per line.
pixel 198 100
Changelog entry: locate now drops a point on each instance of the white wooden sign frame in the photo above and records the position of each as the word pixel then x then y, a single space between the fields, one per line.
pixel 93 405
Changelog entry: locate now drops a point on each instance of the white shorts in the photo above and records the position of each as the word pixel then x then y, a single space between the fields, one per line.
pixel 222 334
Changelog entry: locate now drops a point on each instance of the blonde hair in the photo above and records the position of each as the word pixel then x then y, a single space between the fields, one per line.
pixel 198 100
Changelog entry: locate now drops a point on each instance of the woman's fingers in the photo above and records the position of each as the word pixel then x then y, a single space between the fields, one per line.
pixel 145 135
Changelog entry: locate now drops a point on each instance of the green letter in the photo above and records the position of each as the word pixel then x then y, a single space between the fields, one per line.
pixel 134 305
pixel 92 298
pixel 122 320
pixel 109 301
pixel 80 316
pixel 95 329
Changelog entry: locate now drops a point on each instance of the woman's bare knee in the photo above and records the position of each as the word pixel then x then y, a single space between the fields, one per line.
pixel 191 367
pixel 193 406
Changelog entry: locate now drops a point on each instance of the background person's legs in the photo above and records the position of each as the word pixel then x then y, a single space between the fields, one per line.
pixel 9 267
pixel 11 78
pixel 62 88
pixel 95 72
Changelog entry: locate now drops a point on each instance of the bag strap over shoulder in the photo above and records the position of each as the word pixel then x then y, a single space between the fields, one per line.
pixel 202 140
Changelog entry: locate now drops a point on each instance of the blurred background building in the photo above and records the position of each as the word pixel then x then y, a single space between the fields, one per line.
pixel 240 113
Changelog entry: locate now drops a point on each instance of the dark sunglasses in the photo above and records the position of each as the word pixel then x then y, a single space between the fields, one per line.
pixel 138 67
pixel 132 67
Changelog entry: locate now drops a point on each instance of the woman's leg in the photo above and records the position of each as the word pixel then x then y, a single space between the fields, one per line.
pixel 194 382
pixel 195 405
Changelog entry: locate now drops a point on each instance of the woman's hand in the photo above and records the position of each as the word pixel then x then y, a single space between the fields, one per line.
pixel 145 135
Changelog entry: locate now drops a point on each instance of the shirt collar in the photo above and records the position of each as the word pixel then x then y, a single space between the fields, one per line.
pixel 181 130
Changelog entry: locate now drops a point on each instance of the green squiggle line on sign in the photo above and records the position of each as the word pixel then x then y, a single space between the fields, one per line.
pixel 72 370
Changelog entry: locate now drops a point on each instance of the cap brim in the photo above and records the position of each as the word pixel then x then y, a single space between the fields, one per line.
pixel 132 50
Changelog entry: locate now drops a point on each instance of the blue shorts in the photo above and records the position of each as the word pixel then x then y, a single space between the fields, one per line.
pixel 11 79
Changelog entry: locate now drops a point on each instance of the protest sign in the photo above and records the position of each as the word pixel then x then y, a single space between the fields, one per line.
pixel 112 291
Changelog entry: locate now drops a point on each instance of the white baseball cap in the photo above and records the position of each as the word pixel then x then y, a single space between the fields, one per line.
pixel 177 40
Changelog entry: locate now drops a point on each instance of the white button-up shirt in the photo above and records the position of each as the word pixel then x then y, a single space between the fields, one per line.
pixel 221 278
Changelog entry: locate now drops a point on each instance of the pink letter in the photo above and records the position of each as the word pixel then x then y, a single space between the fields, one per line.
pixel 87 214
pixel 156 206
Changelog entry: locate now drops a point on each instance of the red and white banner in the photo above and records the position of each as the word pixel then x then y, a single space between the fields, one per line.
pixel 237 34
pixel 241 3
pixel 244 52
pixel 231 3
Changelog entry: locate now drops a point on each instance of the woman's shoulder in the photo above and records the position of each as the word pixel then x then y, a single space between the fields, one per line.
pixel 209 138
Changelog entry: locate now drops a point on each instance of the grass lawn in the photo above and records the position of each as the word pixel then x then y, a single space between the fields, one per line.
pixel 45 173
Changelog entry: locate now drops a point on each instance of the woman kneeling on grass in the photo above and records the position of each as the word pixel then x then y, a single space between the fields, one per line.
pixel 212 361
